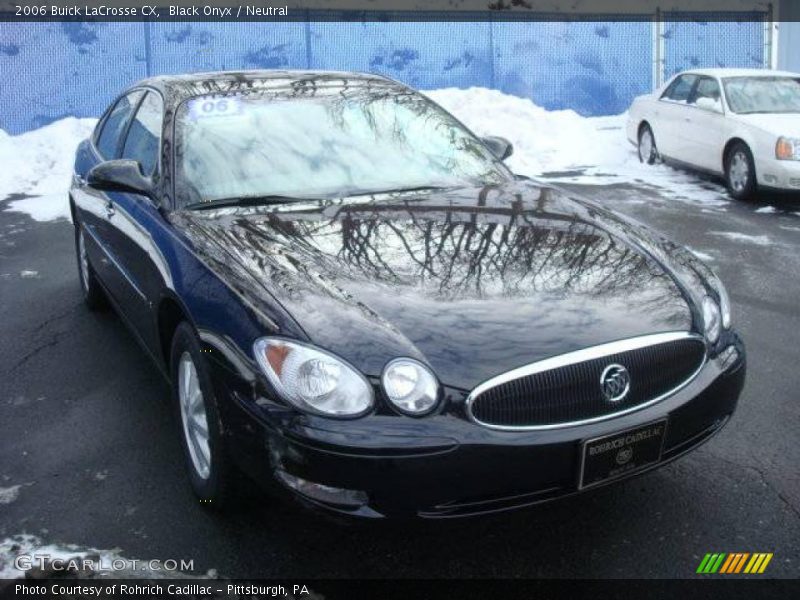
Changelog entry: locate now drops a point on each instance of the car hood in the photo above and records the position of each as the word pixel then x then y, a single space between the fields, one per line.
pixel 786 124
pixel 473 282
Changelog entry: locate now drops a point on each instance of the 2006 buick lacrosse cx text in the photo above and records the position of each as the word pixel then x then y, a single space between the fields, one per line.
pixel 361 307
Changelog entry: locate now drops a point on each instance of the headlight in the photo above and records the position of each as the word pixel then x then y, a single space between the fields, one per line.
pixel 724 300
pixel 787 148
pixel 712 321
pixel 312 379
pixel 410 386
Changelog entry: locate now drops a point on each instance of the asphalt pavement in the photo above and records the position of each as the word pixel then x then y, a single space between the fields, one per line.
pixel 87 435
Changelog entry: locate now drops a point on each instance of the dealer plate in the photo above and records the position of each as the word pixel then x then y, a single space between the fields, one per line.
pixel 619 454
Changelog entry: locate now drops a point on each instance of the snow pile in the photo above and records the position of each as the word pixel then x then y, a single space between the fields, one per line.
pixel 39 162
pixel 558 145
pixel 564 146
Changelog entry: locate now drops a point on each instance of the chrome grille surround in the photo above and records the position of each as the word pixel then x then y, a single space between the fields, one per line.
pixel 581 356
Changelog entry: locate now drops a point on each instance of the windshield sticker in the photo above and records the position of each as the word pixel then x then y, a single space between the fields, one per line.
pixel 204 108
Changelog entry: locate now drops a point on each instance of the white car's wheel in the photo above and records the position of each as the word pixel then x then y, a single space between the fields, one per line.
pixel 740 172
pixel 648 152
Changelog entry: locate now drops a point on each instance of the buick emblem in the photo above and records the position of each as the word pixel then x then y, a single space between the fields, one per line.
pixel 615 382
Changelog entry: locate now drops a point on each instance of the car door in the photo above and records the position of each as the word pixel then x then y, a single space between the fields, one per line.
pixel 671 114
pixel 705 132
pixel 136 219
pixel 94 207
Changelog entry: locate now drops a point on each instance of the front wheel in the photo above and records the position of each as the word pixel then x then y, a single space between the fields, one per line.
pixel 740 172
pixel 207 462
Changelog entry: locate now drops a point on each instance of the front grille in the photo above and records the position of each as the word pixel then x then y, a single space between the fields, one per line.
pixel 567 389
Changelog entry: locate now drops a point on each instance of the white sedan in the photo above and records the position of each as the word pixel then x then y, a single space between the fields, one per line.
pixel 742 124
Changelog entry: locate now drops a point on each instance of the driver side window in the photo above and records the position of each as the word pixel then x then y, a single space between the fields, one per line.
pixel 144 134
pixel 114 125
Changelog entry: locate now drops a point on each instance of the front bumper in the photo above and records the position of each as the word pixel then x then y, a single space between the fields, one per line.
pixel 446 466
pixel 779 174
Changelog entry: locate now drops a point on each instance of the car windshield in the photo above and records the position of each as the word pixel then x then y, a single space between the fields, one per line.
pixel 763 94
pixel 336 142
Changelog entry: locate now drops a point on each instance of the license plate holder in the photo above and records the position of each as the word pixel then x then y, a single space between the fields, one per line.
pixel 622 453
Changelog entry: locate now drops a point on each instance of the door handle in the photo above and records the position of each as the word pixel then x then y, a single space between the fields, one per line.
pixel 110 210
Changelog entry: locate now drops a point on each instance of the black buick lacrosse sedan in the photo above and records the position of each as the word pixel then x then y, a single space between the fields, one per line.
pixel 360 306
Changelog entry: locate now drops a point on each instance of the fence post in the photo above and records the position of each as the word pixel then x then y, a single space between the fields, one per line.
pixel 657 34
pixel 147 49
pixel 308 40
pixel 492 78
pixel 768 59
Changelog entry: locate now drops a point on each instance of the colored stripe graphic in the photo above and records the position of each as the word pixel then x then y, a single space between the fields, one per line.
pixel 734 562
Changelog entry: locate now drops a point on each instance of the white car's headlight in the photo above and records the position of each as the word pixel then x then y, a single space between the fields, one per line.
pixel 410 386
pixel 312 379
pixel 787 148
pixel 712 320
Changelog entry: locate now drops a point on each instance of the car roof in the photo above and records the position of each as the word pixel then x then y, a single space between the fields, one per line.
pixel 729 72
pixel 180 87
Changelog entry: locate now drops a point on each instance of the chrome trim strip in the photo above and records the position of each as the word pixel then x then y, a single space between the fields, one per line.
pixel 580 356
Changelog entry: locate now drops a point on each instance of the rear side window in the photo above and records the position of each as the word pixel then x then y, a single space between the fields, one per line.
pixel 114 126
pixel 144 134
pixel 679 90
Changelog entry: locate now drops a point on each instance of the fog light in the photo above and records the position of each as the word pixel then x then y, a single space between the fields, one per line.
pixel 323 493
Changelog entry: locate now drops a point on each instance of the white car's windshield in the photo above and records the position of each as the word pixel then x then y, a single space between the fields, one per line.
pixel 747 95
pixel 334 142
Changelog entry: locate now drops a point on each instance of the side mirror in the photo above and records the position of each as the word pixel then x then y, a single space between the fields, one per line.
pixel 119 176
pixel 499 146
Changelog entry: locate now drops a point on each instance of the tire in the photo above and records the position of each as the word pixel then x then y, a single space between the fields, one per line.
pixel 740 172
pixel 646 148
pixel 93 295
pixel 208 466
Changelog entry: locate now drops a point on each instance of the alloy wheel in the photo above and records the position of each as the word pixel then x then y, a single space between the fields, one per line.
pixel 739 171
pixel 646 146
pixel 193 416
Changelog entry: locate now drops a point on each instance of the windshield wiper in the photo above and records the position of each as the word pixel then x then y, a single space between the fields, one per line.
pixel 246 201
pixel 421 188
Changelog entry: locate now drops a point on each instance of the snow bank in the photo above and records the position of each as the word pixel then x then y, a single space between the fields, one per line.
pixel 40 161
pixel 39 164
pixel 564 146
pixel 560 145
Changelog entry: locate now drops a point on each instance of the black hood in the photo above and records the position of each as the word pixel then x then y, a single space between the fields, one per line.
pixel 473 282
